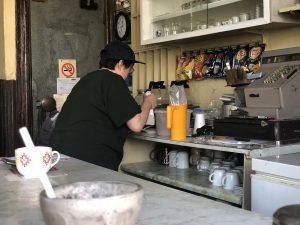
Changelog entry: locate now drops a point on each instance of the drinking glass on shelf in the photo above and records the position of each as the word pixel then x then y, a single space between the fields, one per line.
pixel 166 30
pixel 175 28
pixel 259 10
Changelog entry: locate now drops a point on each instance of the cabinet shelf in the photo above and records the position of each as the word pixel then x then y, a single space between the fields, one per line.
pixel 190 180
pixel 211 5
pixel 208 31
pixel 164 21
pixel 291 9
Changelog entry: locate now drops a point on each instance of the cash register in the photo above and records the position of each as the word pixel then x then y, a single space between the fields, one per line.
pixel 270 105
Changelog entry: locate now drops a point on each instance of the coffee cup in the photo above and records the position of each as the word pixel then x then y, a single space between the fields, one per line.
pixel 225 167
pixel 216 177
pixel 244 16
pixel 32 161
pixel 172 158
pixel 235 19
pixel 228 162
pixel 230 180
pixel 241 169
pixel 213 166
pixel 203 26
pixel 182 160
pixel 240 174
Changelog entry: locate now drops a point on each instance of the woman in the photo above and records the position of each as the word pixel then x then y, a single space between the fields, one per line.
pixel 100 111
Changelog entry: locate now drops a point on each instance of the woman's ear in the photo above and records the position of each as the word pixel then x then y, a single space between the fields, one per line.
pixel 121 62
pixel 119 65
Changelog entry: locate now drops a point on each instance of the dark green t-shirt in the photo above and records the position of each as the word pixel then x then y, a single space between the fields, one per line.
pixel 92 123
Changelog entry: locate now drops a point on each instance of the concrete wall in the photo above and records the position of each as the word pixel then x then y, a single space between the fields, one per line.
pixel 60 29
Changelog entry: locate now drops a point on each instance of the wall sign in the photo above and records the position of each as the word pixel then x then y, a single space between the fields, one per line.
pixel 67 68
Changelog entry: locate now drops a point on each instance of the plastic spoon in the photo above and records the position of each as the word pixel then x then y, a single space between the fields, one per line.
pixel 43 176
pixel 26 137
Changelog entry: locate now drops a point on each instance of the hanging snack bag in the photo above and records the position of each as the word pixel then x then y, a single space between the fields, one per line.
pixel 208 64
pixel 228 58
pixel 188 67
pixel 198 66
pixel 179 67
pixel 184 67
pixel 240 59
pixel 218 64
pixel 254 56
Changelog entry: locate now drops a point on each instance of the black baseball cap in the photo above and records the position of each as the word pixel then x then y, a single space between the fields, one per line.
pixel 118 50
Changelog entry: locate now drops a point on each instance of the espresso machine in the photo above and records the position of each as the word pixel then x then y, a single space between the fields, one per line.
pixel 270 105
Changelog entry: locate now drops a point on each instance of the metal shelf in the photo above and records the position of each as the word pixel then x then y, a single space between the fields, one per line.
pixel 190 180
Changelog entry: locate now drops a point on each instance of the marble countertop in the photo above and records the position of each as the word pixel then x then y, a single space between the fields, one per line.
pixel 188 179
pixel 250 150
pixel 19 199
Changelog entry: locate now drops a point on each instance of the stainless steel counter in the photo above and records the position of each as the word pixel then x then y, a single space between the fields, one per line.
pixel 222 144
pixel 19 199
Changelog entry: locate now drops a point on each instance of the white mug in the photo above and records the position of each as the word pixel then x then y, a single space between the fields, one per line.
pixel 230 180
pixel 213 166
pixel 172 158
pixel 32 161
pixel 216 177
pixel 182 160
pixel 240 174
pixel 244 16
pixel 235 19
pixel 226 167
pixel 228 162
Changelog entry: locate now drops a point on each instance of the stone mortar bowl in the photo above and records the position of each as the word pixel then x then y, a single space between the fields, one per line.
pixel 100 202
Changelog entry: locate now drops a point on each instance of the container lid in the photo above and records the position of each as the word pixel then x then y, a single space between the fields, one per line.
pixel 160 110
pixel 198 110
pixel 287 215
pixel 164 110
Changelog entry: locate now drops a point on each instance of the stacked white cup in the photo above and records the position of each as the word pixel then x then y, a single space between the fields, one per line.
pixel 230 180
pixel 179 159
pixel 216 177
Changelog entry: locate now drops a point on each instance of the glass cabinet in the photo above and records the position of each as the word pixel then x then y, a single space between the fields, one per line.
pixel 169 20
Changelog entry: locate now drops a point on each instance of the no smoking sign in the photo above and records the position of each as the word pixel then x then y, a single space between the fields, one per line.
pixel 67 68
